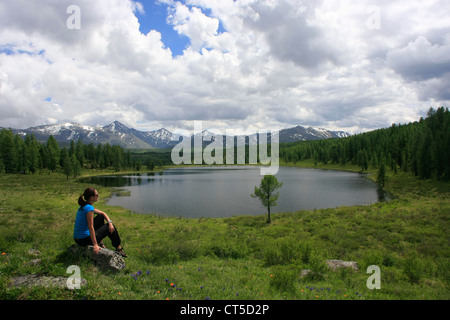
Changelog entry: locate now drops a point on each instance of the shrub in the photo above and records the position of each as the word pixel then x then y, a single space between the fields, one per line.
pixel 413 268
pixel 318 267
pixel 305 252
pixel 372 257
pixel 187 250
pixel 283 279
pixel 272 256
pixel 227 251
pixel 286 251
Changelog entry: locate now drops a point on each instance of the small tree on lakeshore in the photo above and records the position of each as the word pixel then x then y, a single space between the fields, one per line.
pixel 266 193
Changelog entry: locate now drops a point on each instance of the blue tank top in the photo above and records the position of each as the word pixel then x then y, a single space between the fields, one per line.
pixel 81 229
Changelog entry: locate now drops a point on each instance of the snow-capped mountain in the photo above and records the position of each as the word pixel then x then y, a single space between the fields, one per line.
pixel 300 133
pixel 160 138
pixel 117 133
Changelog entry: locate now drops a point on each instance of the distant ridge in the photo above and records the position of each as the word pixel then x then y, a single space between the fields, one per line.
pixel 116 133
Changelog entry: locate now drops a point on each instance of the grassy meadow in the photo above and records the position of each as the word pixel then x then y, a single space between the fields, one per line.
pixel 234 258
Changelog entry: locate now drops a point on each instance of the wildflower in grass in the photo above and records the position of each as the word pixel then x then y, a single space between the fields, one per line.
pixel 166 280
pixel 148 272
pixel 237 293
pixel 3 253
pixel 201 287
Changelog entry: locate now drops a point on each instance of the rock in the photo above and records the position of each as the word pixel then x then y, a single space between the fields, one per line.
pixel 34 252
pixel 32 280
pixel 35 262
pixel 106 259
pixel 337 264
pixel 305 273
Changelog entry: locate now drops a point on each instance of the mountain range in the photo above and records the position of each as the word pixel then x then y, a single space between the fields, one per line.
pixel 117 133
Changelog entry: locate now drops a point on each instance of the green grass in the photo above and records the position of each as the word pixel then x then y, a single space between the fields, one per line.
pixel 234 258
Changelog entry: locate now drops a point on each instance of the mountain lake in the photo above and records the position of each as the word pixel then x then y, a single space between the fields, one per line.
pixel 194 192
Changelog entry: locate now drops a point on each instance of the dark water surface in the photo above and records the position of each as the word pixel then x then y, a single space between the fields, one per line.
pixel 225 191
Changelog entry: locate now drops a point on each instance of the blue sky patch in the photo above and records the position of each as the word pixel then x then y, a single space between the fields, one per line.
pixel 155 18
pixel 6 50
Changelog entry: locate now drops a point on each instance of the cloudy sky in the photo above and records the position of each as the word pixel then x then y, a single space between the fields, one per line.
pixel 241 64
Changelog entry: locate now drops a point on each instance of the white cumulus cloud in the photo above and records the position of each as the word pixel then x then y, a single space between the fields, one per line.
pixel 250 64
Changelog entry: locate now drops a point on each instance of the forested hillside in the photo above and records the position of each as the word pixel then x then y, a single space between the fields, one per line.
pixel 422 148
pixel 27 155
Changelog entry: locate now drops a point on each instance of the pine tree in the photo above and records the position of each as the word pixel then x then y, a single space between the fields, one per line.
pixel 52 153
pixel 21 162
pixel 32 153
pixel 66 163
pixel 266 193
pixel 363 160
pixel 89 153
pixel 117 158
pixel 446 151
pixel 424 156
pixel 76 166
pixel 9 151
pixel 79 152
pixel 381 177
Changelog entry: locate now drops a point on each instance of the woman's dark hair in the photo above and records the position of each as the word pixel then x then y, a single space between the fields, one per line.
pixel 89 192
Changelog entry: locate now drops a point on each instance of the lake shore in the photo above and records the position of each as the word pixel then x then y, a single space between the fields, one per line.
pixel 206 191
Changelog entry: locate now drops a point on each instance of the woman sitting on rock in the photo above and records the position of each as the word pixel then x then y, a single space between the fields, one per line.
pixel 91 231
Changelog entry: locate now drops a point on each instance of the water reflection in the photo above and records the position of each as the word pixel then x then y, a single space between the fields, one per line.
pixel 225 191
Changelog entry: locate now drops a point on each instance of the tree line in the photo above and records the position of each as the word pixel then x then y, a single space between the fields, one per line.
pixel 27 155
pixel 422 148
